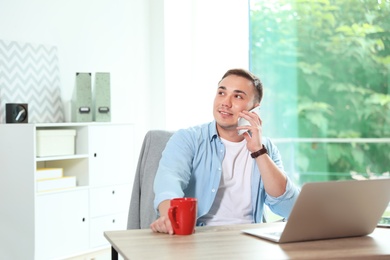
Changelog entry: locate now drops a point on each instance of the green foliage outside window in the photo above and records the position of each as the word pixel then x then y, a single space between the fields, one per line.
pixel 325 65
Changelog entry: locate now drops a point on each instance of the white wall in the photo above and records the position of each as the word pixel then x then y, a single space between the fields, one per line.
pixel 203 39
pixel 165 56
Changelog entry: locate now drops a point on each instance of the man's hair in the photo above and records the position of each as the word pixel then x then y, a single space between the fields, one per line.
pixel 249 76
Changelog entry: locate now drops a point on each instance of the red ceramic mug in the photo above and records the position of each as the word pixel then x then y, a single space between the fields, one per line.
pixel 182 214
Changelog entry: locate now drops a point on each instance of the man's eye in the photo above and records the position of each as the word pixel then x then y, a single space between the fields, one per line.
pixel 238 96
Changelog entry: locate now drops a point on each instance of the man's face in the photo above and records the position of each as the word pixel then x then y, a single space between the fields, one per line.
pixel 234 94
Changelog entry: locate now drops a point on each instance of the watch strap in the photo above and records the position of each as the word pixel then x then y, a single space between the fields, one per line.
pixel 262 151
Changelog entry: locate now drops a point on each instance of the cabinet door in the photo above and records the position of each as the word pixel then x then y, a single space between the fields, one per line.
pixel 109 200
pixel 106 223
pixel 111 154
pixel 61 224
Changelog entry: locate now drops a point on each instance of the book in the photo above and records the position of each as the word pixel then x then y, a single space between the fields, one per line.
pixel 48 173
pixel 56 183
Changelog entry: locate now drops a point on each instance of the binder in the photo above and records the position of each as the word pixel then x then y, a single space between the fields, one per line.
pixel 102 97
pixel 82 98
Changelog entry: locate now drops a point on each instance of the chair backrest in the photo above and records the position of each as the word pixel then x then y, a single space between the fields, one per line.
pixel 141 211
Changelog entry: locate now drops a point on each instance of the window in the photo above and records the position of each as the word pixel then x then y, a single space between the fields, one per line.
pixel 325 66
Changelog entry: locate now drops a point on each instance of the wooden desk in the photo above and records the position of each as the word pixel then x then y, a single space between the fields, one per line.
pixel 228 242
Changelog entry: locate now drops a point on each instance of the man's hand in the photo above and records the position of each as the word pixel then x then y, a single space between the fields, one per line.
pixel 273 178
pixel 254 142
pixel 163 224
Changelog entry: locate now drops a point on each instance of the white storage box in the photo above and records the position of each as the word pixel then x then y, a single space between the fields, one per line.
pixel 55 142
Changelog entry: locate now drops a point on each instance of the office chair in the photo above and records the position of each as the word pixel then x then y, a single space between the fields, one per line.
pixel 141 211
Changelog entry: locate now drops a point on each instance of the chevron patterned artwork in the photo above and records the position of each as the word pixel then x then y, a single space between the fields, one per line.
pixel 29 73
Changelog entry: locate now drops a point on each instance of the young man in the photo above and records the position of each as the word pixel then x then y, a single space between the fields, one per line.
pixel 231 175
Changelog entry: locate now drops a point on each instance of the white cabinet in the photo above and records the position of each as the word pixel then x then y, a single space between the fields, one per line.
pixel 101 224
pixel 108 200
pixel 59 217
pixel 62 223
pixel 106 147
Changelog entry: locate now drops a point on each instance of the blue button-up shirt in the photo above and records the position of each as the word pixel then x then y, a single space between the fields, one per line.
pixel 191 166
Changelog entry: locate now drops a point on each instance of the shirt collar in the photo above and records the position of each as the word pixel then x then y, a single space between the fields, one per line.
pixel 213 130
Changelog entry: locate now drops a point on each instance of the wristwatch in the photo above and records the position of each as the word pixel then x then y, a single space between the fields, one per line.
pixel 263 150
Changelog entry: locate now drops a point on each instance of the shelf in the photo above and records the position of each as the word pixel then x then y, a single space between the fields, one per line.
pixel 42 193
pixel 73 124
pixel 65 157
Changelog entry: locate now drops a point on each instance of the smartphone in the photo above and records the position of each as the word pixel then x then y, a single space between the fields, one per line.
pixel 242 121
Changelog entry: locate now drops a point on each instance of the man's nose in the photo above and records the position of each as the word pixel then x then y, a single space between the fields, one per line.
pixel 227 101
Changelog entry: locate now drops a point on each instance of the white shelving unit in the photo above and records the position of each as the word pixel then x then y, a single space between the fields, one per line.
pixel 68 222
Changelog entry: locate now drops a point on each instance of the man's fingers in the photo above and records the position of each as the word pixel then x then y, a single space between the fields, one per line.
pixel 162 225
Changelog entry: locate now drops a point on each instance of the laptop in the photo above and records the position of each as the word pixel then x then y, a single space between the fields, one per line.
pixel 334 209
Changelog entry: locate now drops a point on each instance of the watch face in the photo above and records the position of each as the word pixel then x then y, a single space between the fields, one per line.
pixel 16 113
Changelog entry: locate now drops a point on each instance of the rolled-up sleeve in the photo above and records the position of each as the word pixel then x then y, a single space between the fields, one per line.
pixel 174 169
pixel 283 204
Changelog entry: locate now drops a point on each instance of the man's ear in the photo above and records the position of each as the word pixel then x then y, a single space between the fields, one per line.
pixel 256 105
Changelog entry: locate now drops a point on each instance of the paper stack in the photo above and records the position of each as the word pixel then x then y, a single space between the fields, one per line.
pixel 52 179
